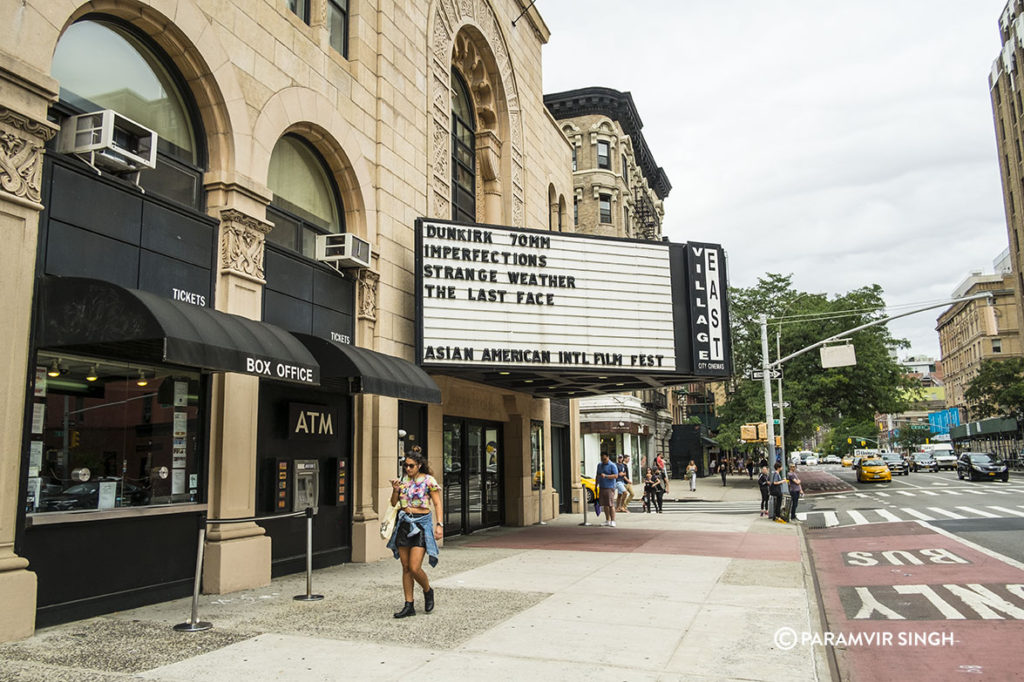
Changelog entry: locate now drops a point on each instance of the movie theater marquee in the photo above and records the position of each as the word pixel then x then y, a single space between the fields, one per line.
pixel 505 297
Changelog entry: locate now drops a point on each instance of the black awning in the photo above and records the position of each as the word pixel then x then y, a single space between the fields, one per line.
pixel 100 318
pixel 359 370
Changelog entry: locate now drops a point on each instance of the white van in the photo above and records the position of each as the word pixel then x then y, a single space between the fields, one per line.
pixel 945 457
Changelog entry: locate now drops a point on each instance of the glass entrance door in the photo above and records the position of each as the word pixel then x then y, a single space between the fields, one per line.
pixel 472 475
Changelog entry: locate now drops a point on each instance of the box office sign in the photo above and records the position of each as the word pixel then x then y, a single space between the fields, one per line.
pixel 312 422
pixel 497 297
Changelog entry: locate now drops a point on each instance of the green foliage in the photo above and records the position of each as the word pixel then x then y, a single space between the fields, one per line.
pixel 819 397
pixel 836 442
pixel 997 390
pixel 910 438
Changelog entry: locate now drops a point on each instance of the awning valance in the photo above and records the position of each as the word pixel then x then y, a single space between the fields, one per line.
pixel 359 370
pixel 100 318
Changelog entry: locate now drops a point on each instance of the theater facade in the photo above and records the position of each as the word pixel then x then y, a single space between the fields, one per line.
pixel 254 251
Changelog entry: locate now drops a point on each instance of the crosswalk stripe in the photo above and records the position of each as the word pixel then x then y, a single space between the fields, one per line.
pixel 831 518
pixel 914 512
pixel 929 492
pixel 1006 511
pixel 951 492
pixel 857 517
pixel 861 494
pixel 881 494
pixel 946 512
pixel 979 512
pixel 1002 492
pixel 905 493
pixel 887 515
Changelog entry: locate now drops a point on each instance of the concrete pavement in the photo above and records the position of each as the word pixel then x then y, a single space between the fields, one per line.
pixel 661 597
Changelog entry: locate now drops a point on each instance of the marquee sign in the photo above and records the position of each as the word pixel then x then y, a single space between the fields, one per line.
pixel 506 298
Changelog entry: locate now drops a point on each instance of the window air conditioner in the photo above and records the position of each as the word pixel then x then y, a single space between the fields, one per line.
pixel 109 141
pixel 343 250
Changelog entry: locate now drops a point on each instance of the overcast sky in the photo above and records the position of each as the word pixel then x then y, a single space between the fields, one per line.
pixel 845 143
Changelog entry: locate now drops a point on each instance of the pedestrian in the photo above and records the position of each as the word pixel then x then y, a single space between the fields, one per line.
pixel 606 477
pixel 794 490
pixel 415 532
pixel 691 475
pixel 764 483
pixel 627 486
pixel 658 489
pixel 723 469
pixel 712 466
pixel 776 492
pixel 648 490
pixel 750 468
pixel 660 460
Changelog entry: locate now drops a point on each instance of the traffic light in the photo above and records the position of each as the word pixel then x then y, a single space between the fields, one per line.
pixel 748 432
pixel 862 443
pixel 849 441
pixel 75 438
pixel 778 441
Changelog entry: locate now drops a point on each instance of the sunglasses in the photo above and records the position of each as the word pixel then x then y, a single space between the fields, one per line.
pixel 408 465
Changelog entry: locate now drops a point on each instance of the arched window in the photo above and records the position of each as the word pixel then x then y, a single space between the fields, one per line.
pixel 463 152
pixel 305 200
pixel 104 64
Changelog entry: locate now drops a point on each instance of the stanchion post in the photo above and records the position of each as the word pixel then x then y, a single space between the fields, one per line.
pixel 583 492
pixel 309 596
pixel 194 624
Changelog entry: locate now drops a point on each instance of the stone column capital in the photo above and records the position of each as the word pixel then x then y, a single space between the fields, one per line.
pixel 21 156
pixel 242 244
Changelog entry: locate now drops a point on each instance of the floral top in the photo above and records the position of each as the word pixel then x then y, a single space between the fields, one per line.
pixel 417 493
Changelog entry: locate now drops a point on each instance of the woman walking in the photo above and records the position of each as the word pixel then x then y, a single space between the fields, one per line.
pixel 764 483
pixel 415 532
pixel 691 475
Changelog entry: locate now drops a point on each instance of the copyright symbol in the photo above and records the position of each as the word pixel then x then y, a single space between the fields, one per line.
pixel 785 638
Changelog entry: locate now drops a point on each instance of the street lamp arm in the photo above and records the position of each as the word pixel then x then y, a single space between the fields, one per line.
pixel 848 332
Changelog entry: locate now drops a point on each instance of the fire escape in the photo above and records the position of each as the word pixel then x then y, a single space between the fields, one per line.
pixel 646 215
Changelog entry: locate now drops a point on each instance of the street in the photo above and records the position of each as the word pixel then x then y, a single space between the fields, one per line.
pixel 927 567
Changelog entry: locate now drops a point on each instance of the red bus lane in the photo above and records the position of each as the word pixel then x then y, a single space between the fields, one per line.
pixel 903 601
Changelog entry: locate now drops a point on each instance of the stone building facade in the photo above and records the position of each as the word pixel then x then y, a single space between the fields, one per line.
pixel 279 121
pixel 973 331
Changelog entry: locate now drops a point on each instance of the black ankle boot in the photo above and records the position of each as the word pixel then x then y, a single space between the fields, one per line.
pixel 428 600
pixel 408 610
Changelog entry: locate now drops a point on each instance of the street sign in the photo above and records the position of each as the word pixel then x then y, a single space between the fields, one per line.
pixel 785 403
pixel 776 422
pixel 758 374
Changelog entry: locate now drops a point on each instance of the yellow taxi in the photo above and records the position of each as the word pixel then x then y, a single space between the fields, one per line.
pixel 847 460
pixel 873 469
pixel 591 487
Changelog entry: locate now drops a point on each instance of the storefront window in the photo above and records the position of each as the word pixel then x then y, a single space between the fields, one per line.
pixel 109 434
pixel 537 453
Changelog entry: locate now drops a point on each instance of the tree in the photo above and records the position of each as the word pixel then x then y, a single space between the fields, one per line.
pixel 997 390
pixel 877 383
pixel 910 438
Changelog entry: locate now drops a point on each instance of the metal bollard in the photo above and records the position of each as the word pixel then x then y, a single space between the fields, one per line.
pixel 194 624
pixel 583 490
pixel 309 596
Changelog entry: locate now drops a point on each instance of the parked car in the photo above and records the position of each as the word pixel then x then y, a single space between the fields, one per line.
pixel 591 486
pixel 832 459
pixel 873 469
pixel 923 461
pixel 811 460
pixel 896 464
pixel 980 466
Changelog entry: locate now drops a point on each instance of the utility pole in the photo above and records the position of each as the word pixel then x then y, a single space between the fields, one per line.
pixel 769 423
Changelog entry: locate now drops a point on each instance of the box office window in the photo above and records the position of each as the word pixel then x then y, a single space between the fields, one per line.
pixel 106 434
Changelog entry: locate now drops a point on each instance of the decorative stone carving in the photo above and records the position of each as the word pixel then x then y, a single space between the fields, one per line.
pixel 21 154
pixel 367 283
pixel 242 240
pixel 484 84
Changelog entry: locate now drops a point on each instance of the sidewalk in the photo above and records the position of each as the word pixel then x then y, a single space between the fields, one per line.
pixel 660 597
pixel 738 488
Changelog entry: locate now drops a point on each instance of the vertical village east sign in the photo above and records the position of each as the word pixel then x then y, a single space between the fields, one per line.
pixel 565 314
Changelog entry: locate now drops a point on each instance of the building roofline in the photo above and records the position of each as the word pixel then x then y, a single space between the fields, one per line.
pixel 618 106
